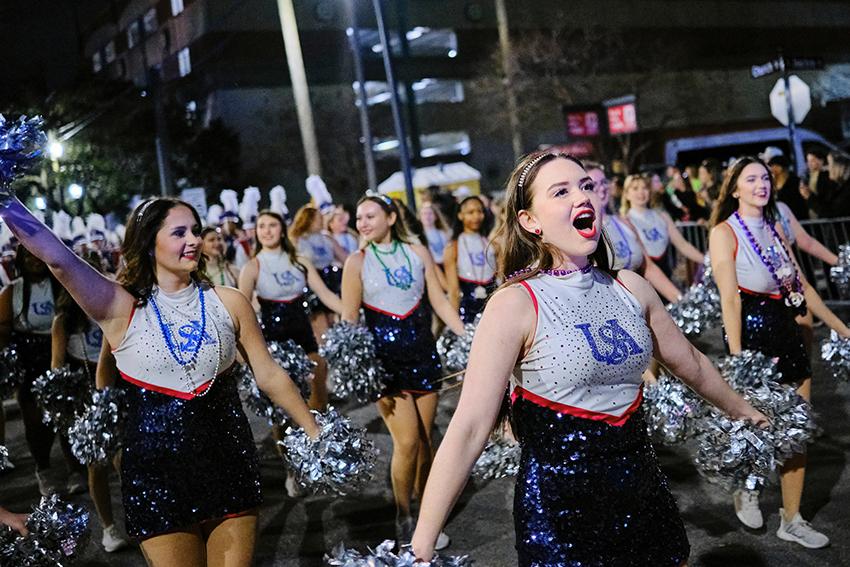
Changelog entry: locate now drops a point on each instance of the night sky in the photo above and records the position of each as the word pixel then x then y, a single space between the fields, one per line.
pixel 38 41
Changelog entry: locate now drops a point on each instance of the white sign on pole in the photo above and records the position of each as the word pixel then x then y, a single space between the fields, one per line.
pixel 801 100
pixel 197 197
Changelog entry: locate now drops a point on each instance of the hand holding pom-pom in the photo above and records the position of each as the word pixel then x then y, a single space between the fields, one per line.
pixel 58 533
pixel 62 395
pixel 352 363
pixel 96 436
pixel 339 460
pixel 383 556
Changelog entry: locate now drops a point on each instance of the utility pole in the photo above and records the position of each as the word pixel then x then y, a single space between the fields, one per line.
pixel 398 120
pixel 166 184
pixel 295 61
pixel 792 121
pixel 407 84
pixel 507 69
pixel 363 108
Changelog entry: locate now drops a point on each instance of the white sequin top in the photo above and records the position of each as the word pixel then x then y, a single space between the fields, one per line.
pixel 437 240
pixel 405 269
pixel 278 279
pixel 318 248
pixel 476 259
pixel 590 347
pixel 652 228
pixel 785 216
pixel 628 253
pixel 752 274
pixel 85 344
pixel 143 357
pixel 39 317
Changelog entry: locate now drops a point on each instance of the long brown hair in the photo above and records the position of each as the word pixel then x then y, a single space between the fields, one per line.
pixel 727 203
pixel 398 230
pixel 520 249
pixel 138 275
pixel 302 222
pixel 285 243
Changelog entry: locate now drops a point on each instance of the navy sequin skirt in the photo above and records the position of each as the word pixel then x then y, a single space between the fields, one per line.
pixel 470 306
pixel 332 276
pixel 186 461
pixel 768 326
pixel 283 321
pixel 591 494
pixel 407 350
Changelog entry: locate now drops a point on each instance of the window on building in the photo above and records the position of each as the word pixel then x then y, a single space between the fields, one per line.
pixel 184 62
pixel 96 62
pixel 109 52
pixel 433 145
pixel 133 34
pixel 150 21
pixel 426 91
pixel 176 7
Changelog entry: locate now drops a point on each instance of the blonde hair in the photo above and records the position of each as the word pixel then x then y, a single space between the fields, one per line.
pixel 630 182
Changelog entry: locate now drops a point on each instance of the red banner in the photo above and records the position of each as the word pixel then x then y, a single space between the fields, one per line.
pixel 622 119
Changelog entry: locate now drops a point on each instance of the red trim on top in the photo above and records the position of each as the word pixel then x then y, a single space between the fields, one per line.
pixel 405 316
pixel 760 294
pixel 615 420
pixel 656 258
pixel 476 281
pixel 622 284
pixel 167 391
pixel 294 299
pixel 524 284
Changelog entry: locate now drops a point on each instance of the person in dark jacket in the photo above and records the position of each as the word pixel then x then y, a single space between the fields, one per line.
pixel 831 201
pixel 788 186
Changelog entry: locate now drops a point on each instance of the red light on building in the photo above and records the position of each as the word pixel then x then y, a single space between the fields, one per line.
pixel 622 117
pixel 583 124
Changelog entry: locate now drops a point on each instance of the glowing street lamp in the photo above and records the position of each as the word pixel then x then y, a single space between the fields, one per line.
pixel 56 150
pixel 40 203
pixel 75 190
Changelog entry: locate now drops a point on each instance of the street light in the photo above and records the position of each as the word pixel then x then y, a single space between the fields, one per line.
pixel 75 190
pixel 40 203
pixel 56 150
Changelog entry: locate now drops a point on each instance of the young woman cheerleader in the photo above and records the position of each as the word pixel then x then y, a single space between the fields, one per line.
pixel 396 285
pixel 655 228
pixel 219 270
pixel 628 250
pixel 27 307
pixel 189 471
pixel 436 231
pixel 77 342
pixel 761 293
pixel 344 236
pixel 470 260
pixel 572 339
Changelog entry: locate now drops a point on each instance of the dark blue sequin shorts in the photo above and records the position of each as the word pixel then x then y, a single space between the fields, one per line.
pixel 283 321
pixel 407 349
pixel 591 494
pixel 768 326
pixel 186 461
pixel 470 306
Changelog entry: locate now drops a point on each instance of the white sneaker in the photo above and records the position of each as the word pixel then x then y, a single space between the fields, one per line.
pixel 112 539
pixel 77 483
pixel 293 489
pixel 443 541
pixel 747 508
pixel 800 531
pixel 48 483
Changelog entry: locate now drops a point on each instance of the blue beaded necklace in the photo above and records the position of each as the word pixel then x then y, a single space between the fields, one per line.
pixel 169 338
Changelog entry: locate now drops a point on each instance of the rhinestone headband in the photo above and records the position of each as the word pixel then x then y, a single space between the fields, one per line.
pixel 380 196
pixel 527 168
pixel 144 209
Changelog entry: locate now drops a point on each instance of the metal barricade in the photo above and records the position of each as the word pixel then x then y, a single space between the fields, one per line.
pixel 829 232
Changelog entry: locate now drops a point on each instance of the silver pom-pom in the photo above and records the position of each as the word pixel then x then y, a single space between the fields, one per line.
pixel 339 460
pixel 748 369
pixel 840 274
pixel 58 534
pixel 454 349
pixel 699 307
pixel 292 358
pixel 62 394
pixel 737 454
pixel 4 459
pixel 499 459
pixel 383 556
pixel 671 410
pixel 96 436
pixel 10 373
pixel 352 364
pixel 835 351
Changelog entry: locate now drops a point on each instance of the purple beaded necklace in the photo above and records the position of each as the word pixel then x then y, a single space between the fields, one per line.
pixel 790 288
pixel 556 273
